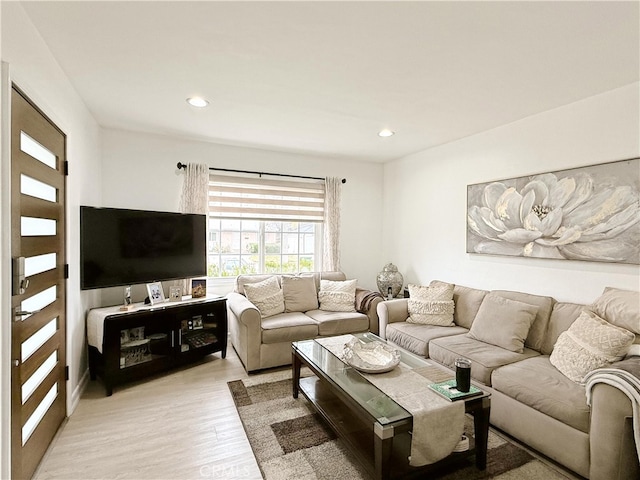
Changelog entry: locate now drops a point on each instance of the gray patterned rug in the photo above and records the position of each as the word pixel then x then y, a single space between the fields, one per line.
pixel 291 441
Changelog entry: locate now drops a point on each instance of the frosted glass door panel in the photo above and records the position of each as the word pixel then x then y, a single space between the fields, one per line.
pixel 29 146
pixel 36 188
pixel 39 301
pixel 39 264
pixel 38 339
pixel 39 413
pixel 38 376
pixel 37 227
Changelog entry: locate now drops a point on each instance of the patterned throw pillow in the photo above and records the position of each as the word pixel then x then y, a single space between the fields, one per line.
pixel 589 343
pixel 337 296
pixel 432 305
pixel 266 296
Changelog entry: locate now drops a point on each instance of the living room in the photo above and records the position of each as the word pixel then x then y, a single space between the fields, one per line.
pixel 409 210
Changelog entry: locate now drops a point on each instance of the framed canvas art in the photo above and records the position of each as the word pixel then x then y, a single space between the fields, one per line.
pixel 588 213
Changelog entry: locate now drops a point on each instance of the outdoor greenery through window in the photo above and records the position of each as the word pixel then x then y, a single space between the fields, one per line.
pixel 264 226
pixel 249 246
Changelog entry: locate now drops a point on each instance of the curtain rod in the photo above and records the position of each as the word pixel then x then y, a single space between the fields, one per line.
pixel 183 165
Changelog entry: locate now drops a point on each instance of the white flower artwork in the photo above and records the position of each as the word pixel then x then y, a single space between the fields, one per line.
pixel 588 213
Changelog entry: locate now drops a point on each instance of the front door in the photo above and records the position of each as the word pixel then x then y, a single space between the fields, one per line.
pixel 38 391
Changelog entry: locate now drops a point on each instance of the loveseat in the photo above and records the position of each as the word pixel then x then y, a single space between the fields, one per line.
pixel 261 332
pixel 532 399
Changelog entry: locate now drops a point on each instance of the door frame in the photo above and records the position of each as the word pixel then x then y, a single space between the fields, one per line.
pixel 5 273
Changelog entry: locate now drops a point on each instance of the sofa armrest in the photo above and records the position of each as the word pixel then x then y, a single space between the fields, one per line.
pixel 391 311
pixel 245 329
pixel 613 450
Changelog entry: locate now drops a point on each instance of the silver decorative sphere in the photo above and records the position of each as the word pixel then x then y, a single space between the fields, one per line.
pixel 390 277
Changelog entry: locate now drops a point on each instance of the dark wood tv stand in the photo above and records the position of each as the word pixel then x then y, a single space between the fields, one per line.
pixel 151 339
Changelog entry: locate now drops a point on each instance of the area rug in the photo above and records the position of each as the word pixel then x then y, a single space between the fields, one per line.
pixel 290 440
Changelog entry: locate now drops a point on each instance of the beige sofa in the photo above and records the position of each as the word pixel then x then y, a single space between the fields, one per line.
pixel 531 399
pixel 266 342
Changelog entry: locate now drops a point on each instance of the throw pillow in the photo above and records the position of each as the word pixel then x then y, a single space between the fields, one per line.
pixel 620 308
pixel 266 296
pixel 338 296
pixel 634 351
pixel 432 305
pixel 503 322
pixel 589 343
pixel 300 293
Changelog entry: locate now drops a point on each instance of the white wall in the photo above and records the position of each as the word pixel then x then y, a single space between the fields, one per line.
pixel 425 197
pixel 32 68
pixel 139 171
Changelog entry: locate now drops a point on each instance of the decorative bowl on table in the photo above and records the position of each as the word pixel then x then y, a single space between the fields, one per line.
pixel 372 357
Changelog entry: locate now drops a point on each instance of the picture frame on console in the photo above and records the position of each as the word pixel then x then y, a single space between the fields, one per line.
pixel 198 288
pixel 156 294
pixel 175 294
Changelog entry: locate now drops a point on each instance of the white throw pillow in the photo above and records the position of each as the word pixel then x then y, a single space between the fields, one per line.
pixel 432 305
pixel 337 296
pixel 589 343
pixel 266 296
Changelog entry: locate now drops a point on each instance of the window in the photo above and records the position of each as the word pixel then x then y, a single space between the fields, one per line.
pixel 264 226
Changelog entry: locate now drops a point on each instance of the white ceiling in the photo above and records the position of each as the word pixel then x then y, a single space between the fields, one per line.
pixel 323 77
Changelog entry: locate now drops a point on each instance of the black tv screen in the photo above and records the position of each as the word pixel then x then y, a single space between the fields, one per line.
pixel 126 247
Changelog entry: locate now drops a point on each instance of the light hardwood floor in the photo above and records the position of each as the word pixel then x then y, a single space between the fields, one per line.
pixel 179 425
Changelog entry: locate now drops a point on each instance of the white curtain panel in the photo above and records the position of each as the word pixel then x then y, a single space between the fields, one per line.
pixel 195 189
pixel 331 252
pixel 194 199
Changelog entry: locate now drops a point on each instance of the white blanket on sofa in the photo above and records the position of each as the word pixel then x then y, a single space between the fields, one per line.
pixel 438 423
pixel 625 376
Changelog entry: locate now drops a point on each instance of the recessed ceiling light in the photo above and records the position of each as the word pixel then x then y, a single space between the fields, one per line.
pixel 197 102
pixel 385 132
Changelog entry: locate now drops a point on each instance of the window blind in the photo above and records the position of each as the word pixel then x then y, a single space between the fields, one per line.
pixel 265 199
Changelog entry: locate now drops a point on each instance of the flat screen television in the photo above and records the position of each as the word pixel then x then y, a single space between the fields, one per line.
pixel 126 247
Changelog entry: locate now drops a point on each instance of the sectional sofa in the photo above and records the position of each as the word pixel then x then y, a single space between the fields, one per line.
pixel 262 339
pixel 532 400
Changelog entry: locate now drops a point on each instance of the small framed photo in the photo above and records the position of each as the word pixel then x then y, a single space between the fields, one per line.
pixel 198 288
pixel 156 294
pixel 175 294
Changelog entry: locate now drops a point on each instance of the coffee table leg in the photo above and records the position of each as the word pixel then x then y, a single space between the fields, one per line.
pixel 481 426
pixel 383 445
pixel 295 373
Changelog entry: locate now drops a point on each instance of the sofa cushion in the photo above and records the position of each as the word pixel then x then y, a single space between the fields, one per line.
pixel 619 307
pixel 589 343
pixel 539 327
pixel 338 323
pixel 432 305
pixel 485 358
pixel 338 296
pixel 467 301
pixel 288 327
pixel 539 385
pixel 416 337
pixel 242 280
pixel 503 322
pixel 300 294
pixel 562 316
pixel 266 296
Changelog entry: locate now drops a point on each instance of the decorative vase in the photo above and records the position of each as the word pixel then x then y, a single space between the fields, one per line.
pixel 390 277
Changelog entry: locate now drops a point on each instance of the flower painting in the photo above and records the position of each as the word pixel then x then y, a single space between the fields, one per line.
pixel 589 213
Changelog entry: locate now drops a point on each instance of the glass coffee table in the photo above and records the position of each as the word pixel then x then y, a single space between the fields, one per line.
pixel 373 426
